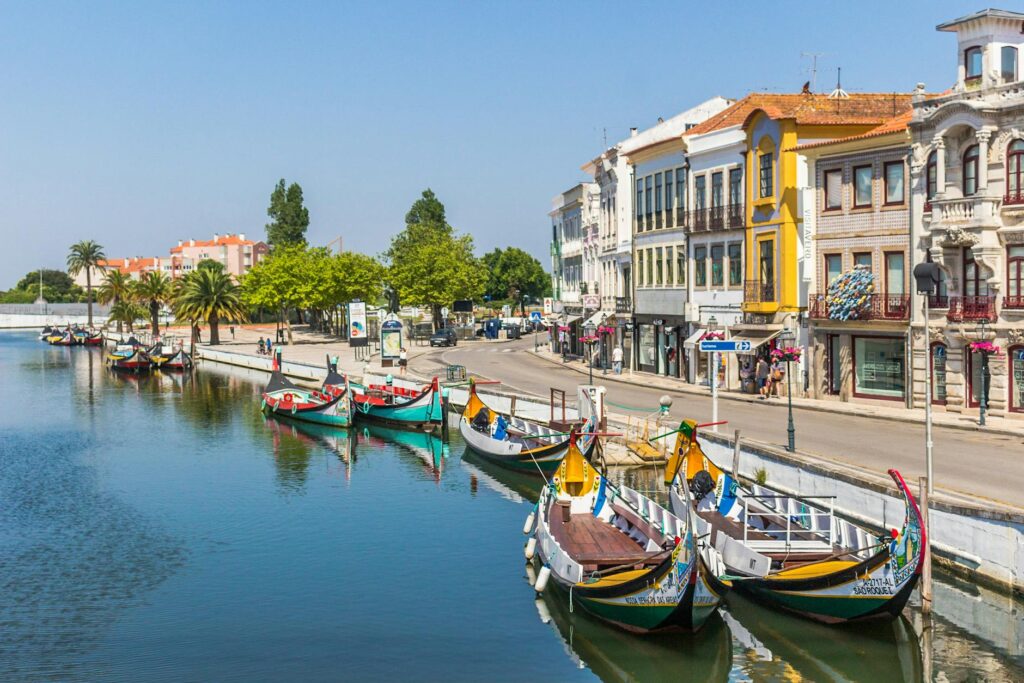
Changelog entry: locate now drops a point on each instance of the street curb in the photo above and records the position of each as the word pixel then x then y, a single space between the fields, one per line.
pixel 688 389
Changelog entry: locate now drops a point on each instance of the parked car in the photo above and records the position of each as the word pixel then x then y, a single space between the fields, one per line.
pixel 444 337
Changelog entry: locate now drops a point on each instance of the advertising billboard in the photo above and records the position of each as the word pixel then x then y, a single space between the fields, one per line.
pixel 357 332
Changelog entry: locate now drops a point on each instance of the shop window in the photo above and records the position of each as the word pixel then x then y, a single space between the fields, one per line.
pixel 834 365
pixel 879 367
pixel 975 370
pixel 862 176
pixel 1016 360
pixel 939 353
pixel 735 264
pixel 700 272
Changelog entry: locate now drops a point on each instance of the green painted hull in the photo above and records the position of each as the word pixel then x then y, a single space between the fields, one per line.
pixel 311 417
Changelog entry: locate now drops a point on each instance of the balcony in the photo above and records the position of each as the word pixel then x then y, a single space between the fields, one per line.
pixel 623 304
pixel 880 306
pixel 971 308
pixel 1013 198
pixel 938 301
pixel 1015 303
pixel 725 217
pixel 757 292
pixel 964 211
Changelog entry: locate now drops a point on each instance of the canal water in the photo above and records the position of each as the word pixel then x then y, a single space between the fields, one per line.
pixel 161 529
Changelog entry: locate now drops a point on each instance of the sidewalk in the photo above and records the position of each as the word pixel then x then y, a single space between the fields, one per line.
pixel 996 425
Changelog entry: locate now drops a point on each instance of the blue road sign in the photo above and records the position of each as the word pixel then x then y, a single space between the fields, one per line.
pixel 725 345
pixel 535 316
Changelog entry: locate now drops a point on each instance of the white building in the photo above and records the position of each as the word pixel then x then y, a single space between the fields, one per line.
pixel 574 221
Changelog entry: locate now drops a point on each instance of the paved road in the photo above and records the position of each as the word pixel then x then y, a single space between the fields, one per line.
pixel 987 465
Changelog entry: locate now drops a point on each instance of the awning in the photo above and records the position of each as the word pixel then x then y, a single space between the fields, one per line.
pixel 595 319
pixel 692 340
pixel 756 338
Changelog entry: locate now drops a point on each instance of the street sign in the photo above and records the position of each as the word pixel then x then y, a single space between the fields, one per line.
pixel 444 312
pixel 535 316
pixel 591 302
pixel 725 346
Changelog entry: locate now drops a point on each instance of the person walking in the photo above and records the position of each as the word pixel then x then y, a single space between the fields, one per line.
pixel 617 360
pixel 761 373
pixel 261 346
pixel 778 374
pixel 270 347
pixel 403 360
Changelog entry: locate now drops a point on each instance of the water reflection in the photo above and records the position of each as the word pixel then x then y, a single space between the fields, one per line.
pixel 427 450
pixel 295 443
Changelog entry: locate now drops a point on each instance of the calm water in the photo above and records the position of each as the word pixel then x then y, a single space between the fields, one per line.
pixel 160 529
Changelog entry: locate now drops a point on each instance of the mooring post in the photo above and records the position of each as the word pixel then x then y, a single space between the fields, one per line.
pixel 926 573
pixel 736 456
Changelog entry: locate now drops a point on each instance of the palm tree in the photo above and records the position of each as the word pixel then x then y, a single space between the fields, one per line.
pixel 127 312
pixel 212 296
pixel 85 256
pixel 154 290
pixel 116 287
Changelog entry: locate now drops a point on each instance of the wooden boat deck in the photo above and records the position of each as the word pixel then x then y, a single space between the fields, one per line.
pixel 590 541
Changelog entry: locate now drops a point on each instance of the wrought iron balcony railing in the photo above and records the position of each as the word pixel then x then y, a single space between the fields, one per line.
pixel 880 306
pixel 971 308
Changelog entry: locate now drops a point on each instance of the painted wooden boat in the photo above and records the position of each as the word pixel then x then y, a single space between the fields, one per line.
pixel 172 360
pixel 793 552
pixel 621 556
pixel 283 398
pixel 399 407
pixel 135 361
pixel 93 339
pixel 522 445
pixel 47 332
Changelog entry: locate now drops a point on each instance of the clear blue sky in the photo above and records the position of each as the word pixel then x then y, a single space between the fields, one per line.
pixel 137 124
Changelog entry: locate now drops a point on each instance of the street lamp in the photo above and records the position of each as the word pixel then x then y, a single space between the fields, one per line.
pixel 981 331
pixel 713 374
pixel 789 336
pixel 927 278
pixel 602 333
pixel 588 331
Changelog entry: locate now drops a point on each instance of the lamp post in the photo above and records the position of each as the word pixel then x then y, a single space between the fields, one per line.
pixel 588 332
pixel 602 333
pixel 789 336
pixel 983 399
pixel 713 374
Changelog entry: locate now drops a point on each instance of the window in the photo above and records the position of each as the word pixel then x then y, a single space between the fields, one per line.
pixel 835 364
pixel 972 62
pixel 717 265
pixel 1014 277
pixel 736 186
pixel 974 283
pixel 765 174
pixel 833 190
pixel 893 182
pixel 699 191
pixel 863 258
pixel 669 281
pixel 681 188
pixel 680 265
pixel 650 267
pixel 766 265
pixel 894 279
pixel 939 373
pixel 659 267
pixel 931 178
pixel 862 176
pixel 1008 70
pixel 669 202
pixel 970 170
pixel 657 192
pixel 640 267
pixel 639 198
pixel 700 273
pixel 647 195
pixel 716 190
pixel 1015 171
pixel 879 367
pixel 735 264
pixel 940 299
pixel 833 267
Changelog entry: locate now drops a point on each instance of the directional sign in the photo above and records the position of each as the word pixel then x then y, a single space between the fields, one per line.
pixel 725 346
pixel 535 316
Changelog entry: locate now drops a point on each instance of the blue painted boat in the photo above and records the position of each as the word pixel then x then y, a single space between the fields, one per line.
pixel 398 406
pixel 285 399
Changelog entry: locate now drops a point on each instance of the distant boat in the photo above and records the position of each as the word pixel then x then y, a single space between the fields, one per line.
pixel 519 444
pixel 284 398
pixel 621 556
pixel 793 552
pixel 170 359
pixel 134 360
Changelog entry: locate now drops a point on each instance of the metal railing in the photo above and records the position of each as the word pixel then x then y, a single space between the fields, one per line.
pixel 623 304
pixel 755 291
pixel 1013 302
pixel 880 306
pixel 800 518
pixel 967 308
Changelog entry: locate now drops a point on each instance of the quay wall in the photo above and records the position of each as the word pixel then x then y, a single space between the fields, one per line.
pixel 41 315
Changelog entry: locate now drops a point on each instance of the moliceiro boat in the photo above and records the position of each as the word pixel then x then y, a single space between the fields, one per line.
pixel 130 359
pixel 169 359
pixel 399 407
pixel 284 398
pixel 523 445
pixel 619 555
pixel 793 552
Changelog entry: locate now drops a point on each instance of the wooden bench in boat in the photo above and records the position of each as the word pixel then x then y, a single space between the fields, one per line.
pixel 594 543
pixel 734 529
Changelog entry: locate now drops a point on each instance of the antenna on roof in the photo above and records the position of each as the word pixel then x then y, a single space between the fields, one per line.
pixel 839 93
pixel 814 67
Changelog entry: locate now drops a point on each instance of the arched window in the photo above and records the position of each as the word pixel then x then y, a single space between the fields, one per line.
pixel 1015 172
pixel 931 179
pixel 972 63
pixel 970 171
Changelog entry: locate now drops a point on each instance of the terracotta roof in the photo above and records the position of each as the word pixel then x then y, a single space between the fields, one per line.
pixel 219 241
pixel 809 109
pixel 896 124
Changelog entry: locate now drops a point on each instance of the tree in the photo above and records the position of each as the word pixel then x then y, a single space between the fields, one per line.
pixel 429 264
pixel 281 282
pixel 210 296
pixel 126 312
pixel 58 287
pixel 154 290
pixel 85 255
pixel 116 287
pixel 289 217
pixel 210 264
pixel 515 274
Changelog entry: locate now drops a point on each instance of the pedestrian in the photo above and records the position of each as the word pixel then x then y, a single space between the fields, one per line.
pixel 778 374
pixel 403 360
pixel 761 374
pixel 617 360
pixel 270 347
pixel 260 346
pixel 232 328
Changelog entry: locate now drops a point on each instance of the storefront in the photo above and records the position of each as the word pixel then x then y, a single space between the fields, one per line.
pixel 659 345
pixel 879 367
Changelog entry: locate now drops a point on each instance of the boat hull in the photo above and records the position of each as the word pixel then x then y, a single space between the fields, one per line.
pixel 419 412
pixel 296 404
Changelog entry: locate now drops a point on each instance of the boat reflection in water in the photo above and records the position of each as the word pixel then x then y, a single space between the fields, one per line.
pixel 615 655
pixel 294 442
pixel 514 486
pixel 431 450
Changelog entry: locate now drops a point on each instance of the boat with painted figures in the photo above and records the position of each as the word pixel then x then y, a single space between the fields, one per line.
pixel 47 332
pixel 65 338
pixel 523 445
pixel 284 398
pixel 94 338
pixel 794 552
pixel 619 555
pixel 410 408
pixel 169 359
pixel 132 359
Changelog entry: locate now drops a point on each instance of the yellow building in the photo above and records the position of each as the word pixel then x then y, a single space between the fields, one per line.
pixel 779 192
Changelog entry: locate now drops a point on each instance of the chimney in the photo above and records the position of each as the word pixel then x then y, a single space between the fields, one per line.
pixel 179 243
pixel 632 132
pixel 241 236
pixel 215 237
pixel 191 243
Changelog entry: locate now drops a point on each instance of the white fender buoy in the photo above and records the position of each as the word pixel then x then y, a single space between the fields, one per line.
pixel 542 579
pixel 529 522
pixel 543 611
pixel 531 573
pixel 531 548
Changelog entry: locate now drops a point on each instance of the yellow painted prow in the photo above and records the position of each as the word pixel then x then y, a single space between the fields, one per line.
pixel 576 476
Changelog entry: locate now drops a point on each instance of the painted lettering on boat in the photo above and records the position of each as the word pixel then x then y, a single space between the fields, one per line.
pixel 882 586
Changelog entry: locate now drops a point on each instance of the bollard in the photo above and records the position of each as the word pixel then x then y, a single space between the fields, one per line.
pixel 736 456
pixel 926 571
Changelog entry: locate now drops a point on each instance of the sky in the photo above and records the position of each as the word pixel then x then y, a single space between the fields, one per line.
pixel 139 124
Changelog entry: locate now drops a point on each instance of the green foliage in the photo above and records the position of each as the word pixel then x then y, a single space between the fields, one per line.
pixel 152 291
pixel 761 476
pixel 289 217
pixel 126 312
pixel 428 263
pixel 83 256
pixel 515 274
pixel 58 287
pixel 211 264
pixel 18 296
pixel 57 280
pixel 116 286
pixel 210 296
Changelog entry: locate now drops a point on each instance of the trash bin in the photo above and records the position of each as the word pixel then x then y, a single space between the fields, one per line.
pixel 513 332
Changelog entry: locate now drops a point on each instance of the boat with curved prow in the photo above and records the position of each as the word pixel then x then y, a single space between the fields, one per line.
pixel 284 398
pixel 794 552
pixel 521 445
pixel 134 360
pixel 399 407
pixel 168 358
pixel 621 556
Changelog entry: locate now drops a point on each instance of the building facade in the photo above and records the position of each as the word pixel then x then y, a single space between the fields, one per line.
pixel 236 253
pixel 968 217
